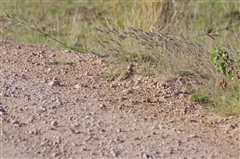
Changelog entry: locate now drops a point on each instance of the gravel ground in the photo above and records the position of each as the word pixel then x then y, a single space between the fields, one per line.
pixel 66 110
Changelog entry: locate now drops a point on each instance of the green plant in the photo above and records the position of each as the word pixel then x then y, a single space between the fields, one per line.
pixel 228 66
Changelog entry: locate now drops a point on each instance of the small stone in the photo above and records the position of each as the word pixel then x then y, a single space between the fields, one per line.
pixel 55 154
pixel 54 82
pixel 148 100
pixel 99 61
pixel 137 87
pixel 59 140
pixel 74 144
pixel 145 155
pixel 84 85
pixel 3 95
pixel 44 108
pixel 53 55
pixel 102 106
pixel 179 143
pixel 77 132
pixel 193 136
pixel 166 96
pixel 67 51
pixel 49 70
pixel 87 117
pixel 121 107
pixel 161 84
pixel 127 91
pixel 122 98
pixel 112 85
pixel 87 74
pixel 72 130
pixel 54 123
pixel 77 86
pixel 41 52
pixel 1 109
pixel 35 131
pixel 233 126
pixel 15 122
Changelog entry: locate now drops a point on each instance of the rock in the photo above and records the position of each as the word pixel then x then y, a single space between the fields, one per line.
pixel 122 98
pixel 53 55
pixel 1 109
pixel 147 100
pixel 54 82
pixel 127 91
pixel 49 70
pixel 88 74
pixel 77 86
pixel 102 106
pixel 15 122
pixel 54 123
pixel 43 108
pixel 145 155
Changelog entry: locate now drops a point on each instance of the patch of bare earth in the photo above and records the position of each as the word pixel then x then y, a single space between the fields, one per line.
pixel 54 104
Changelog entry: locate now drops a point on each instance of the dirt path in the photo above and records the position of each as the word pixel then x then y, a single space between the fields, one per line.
pixel 81 115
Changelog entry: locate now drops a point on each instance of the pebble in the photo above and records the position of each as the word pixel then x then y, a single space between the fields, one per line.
pixel 137 87
pixel 49 70
pixel 43 108
pixel 3 95
pixel 1 109
pixel 74 144
pixel 87 74
pixel 54 82
pixel 15 122
pixel 127 91
pixel 102 106
pixel 54 123
pixel 77 86
pixel 53 55
pixel 122 98
pixel 145 155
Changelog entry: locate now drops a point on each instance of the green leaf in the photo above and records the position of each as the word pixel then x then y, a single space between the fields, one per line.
pixel 238 63
pixel 217 49
pixel 223 68
pixel 217 61
pixel 230 73
pixel 217 58
pixel 212 56
pixel 231 61
pixel 225 54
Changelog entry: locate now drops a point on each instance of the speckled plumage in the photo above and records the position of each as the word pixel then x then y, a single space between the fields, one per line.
pixel 126 73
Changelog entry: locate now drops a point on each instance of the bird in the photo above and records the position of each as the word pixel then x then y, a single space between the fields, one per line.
pixel 126 74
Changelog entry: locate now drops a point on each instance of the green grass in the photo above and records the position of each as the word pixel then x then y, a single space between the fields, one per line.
pixel 181 48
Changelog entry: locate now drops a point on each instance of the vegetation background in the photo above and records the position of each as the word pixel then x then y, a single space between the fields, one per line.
pixel 160 37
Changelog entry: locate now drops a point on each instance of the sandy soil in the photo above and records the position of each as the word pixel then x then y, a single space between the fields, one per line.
pixel 69 111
